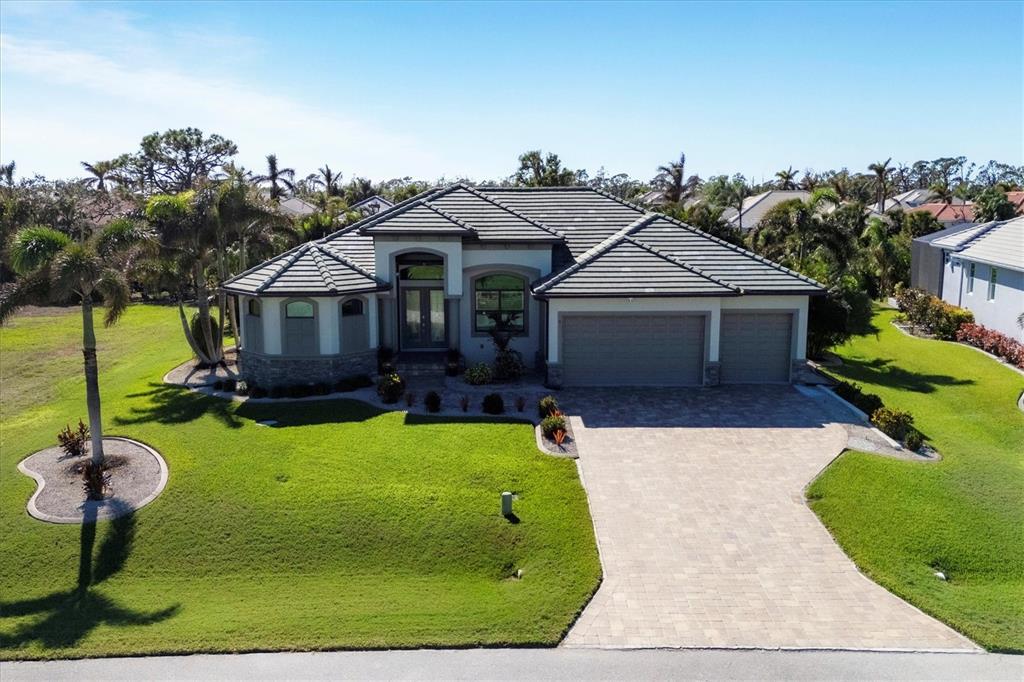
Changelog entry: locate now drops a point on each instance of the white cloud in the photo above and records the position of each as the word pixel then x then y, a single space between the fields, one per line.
pixel 61 104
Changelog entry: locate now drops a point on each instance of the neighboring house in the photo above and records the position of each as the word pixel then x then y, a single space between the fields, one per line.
pixel 296 207
pixel 948 214
pixel 600 291
pixel 372 205
pixel 755 207
pixel 982 269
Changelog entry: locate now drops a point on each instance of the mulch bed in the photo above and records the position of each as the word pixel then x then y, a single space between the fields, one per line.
pixel 137 475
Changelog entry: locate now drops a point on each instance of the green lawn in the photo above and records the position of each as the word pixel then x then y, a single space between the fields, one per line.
pixel 902 521
pixel 342 527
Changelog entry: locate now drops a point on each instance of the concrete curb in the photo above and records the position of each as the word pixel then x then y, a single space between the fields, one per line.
pixel 35 512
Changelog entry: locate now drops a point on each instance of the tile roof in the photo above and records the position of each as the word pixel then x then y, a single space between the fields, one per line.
pixel 948 213
pixel 755 207
pixel 999 243
pixel 617 248
pixel 376 198
pixel 312 269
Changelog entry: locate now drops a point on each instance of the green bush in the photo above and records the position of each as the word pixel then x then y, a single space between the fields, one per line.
pixel 550 424
pixel 931 313
pixel 913 440
pixel 508 365
pixel 852 393
pixel 493 404
pixel 547 406
pixel 390 388
pixel 893 423
pixel 478 375
pixel 432 401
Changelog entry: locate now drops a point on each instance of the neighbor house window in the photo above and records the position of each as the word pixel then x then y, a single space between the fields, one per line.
pixel 970 279
pixel 254 307
pixel 499 297
pixel 992 284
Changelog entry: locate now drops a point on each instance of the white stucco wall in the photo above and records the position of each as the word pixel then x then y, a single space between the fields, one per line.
pixel 1001 311
pixel 385 250
pixel 328 318
pixel 712 306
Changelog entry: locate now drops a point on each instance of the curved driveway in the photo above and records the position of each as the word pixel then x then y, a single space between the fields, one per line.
pixel 705 536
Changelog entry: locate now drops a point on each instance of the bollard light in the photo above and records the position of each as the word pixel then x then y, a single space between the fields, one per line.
pixel 506 503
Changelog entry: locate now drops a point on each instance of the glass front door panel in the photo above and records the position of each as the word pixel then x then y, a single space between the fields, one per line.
pixel 413 319
pixel 423 324
pixel 436 317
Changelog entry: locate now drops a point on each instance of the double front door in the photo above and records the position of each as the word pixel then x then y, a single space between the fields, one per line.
pixel 423 318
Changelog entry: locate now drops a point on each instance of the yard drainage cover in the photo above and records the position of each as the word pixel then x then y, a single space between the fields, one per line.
pixel 137 475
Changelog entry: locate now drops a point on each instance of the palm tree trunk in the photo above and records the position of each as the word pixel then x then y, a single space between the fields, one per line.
pixel 188 335
pixel 92 381
pixel 203 303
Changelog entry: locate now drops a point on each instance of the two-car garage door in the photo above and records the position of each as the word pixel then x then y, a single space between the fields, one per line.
pixel 633 350
pixel 666 349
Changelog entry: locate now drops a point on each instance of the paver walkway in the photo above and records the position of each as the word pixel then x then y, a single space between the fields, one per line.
pixel 705 537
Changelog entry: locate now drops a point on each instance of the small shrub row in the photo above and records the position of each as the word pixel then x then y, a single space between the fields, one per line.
pixel 931 313
pixel 254 390
pixel 853 393
pixel 994 342
pixel 547 406
pixel 479 374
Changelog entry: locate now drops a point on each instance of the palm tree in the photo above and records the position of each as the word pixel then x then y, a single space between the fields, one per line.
pixel 736 193
pixel 881 171
pixel 883 253
pixel 51 263
pixel 101 173
pixel 677 186
pixel 942 191
pixel 792 231
pixel 279 180
pixel 328 180
pixel 357 190
pixel 787 178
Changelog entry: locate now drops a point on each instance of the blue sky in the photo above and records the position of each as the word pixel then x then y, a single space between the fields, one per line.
pixel 459 90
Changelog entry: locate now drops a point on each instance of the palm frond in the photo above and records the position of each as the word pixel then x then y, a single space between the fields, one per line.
pixel 75 270
pixel 118 236
pixel 30 289
pixel 36 246
pixel 116 293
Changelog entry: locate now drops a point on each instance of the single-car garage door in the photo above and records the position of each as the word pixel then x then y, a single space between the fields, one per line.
pixel 633 350
pixel 754 348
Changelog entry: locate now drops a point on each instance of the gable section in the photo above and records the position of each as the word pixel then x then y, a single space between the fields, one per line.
pixel 629 268
pixel 723 261
pixel 418 219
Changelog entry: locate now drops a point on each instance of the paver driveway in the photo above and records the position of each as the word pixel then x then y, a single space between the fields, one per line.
pixel 705 537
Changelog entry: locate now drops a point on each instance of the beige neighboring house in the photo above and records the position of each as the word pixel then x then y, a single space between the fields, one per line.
pixel 755 207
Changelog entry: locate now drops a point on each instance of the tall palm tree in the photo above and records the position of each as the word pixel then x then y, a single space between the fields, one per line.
pixel 794 230
pixel 101 173
pixel 279 180
pixel 883 254
pixel 787 178
pixel 327 180
pixel 942 191
pixel 881 171
pixel 672 178
pixel 735 195
pixel 51 262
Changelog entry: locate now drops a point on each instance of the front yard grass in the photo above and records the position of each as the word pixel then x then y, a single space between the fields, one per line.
pixel 964 516
pixel 341 527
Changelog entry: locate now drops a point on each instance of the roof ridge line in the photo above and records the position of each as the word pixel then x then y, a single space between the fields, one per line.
pixel 445 214
pixel 341 258
pixel 595 251
pixel 533 221
pixel 739 249
pixel 398 208
pixel 672 259
pixel 291 261
pixel 325 274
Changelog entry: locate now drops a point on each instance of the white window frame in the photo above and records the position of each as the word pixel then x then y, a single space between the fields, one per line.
pixel 970 278
pixel 993 277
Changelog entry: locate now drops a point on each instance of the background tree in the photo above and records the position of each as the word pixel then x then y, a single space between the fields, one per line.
pixel 787 178
pixel 53 265
pixel 176 160
pixel 536 170
pixel 673 182
pixel 888 253
pixel 279 180
pixel 942 191
pixel 7 174
pixel 992 204
pixel 795 232
pixel 881 171
pixel 328 181
pixel 101 173
pixel 358 189
pixel 734 195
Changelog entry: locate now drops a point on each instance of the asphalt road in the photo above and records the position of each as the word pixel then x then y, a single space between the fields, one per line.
pixel 535 664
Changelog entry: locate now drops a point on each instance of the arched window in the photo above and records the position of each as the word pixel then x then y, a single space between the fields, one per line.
pixel 301 336
pixel 254 307
pixel 355 327
pixel 499 297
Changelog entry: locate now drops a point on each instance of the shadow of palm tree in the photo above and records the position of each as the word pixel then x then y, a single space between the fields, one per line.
pixel 308 412
pixel 67 616
pixel 882 372
pixel 175 405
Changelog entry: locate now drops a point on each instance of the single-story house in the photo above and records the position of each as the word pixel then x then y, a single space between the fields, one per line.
pixel 948 214
pixel 599 292
pixel 983 271
pixel 372 205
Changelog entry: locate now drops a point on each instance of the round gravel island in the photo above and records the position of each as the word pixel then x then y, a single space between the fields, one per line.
pixel 137 475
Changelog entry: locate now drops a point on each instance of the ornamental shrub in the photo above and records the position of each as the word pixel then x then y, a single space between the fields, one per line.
pixel 432 401
pixel 508 365
pixel 390 388
pixel 893 423
pixel 550 424
pixel 72 443
pixel 547 406
pixel 913 440
pixel 493 404
pixel 931 313
pixel 994 342
pixel 479 374
pixel 854 394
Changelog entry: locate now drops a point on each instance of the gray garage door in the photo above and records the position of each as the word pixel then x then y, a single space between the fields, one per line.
pixel 754 348
pixel 632 350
